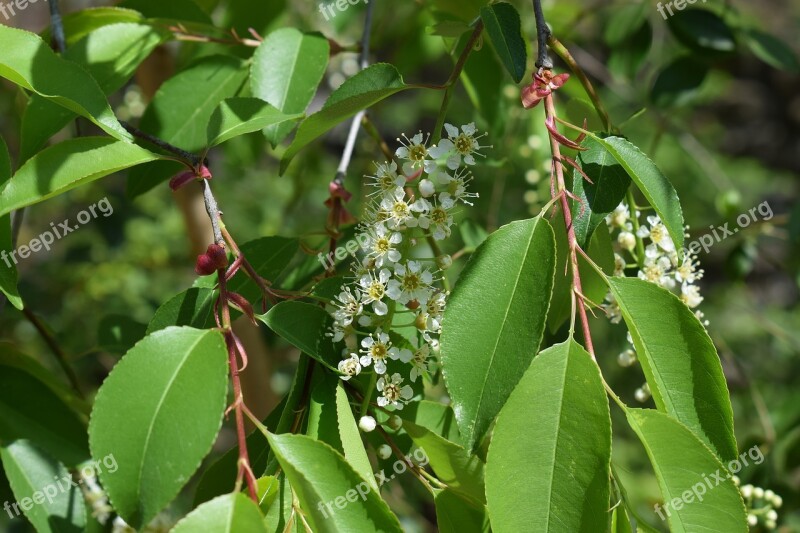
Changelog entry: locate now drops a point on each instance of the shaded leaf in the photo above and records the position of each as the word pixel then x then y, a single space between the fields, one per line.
pixel 304 326
pixel 678 82
pixel 238 116
pixel 503 25
pixel 118 333
pixel 771 50
pixel 702 31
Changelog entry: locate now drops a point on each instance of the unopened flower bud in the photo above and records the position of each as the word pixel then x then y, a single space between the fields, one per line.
pixel 626 358
pixel 427 188
pixel 367 424
pixel 394 422
pixel 384 452
pixel 758 493
pixel 204 265
pixel 217 255
pixel 444 261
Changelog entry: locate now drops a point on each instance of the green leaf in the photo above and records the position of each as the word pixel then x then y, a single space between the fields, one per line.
pixel 34 409
pixel 334 497
pixel 549 460
pixel 771 50
pixel 627 58
pixel 352 445
pixel 363 90
pixel 624 22
pixel 303 325
pixel 181 110
pixel 433 416
pixel 620 523
pixel 286 70
pixel 685 468
pixel 280 516
pixel 118 333
pixel 465 10
pixel 193 307
pixel 237 116
pixel 679 361
pixel 43 489
pixel 484 81
pixel 503 25
pixel 79 24
pixel 678 82
pixel 31 64
pixel 452 464
pixel 178 10
pixel 494 322
pixel 230 513
pixel 158 413
pixel 454 514
pixel 269 256
pixel 702 31
pixel 654 185
pixel 8 268
pixel 72 163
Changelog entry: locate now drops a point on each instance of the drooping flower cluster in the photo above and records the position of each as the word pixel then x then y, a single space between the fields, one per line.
pixel 413 200
pixel 660 265
pixel 760 504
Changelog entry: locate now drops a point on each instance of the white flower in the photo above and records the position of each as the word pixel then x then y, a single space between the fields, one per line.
pixel 440 222
pixel 419 362
pixel 611 308
pixel 373 289
pixel 463 144
pixel 434 310
pixel 350 367
pixel 626 358
pixel 690 295
pixel 456 190
pixel 398 212
pixel 347 307
pixel 627 240
pixel 386 179
pixel 382 246
pixel 659 235
pixel 619 265
pixel 619 216
pixel 410 282
pixel 656 270
pixel 377 348
pixel 415 152
pixel 687 272
pixel 393 393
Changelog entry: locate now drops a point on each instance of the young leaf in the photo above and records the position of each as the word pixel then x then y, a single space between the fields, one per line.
pixel 455 514
pixel 69 164
pixel 452 464
pixel 702 31
pixel 334 497
pixel 158 413
pixel 503 25
pixel 304 326
pixel 37 482
pixel 230 513
pixel 679 361
pixel 363 90
pixel 237 116
pixel 193 307
pixel 494 322
pixel 771 50
pixel 653 184
pixel 549 460
pixel 287 68
pixel 31 64
pixel 694 499
pixel 8 267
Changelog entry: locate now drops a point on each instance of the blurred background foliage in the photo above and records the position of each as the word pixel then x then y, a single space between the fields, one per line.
pixel 717 108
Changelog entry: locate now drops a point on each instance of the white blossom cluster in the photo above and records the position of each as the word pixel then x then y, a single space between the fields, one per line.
pixel 761 505
pixel 661 266
pixel 410 203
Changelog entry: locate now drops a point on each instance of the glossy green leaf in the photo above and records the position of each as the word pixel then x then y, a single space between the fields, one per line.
pixel 352 445
pixel 679 361
pixel 620 523
pixel 72 163
pixel 193 307
pixel 454 514
pixel 434 417
pixel 281 517
pixel 702 30
pixel 158 413
pixel 549 460
pixel 303 325
pixel 238 116
pixel 230 513
pixel 286 70
pixel 30 63
pixel 685 468
pixel 494 322
pixel 451 463
pixel 269 256
pixel 771 50
pixel 654 185
pixel 8 268
pixel 678 82
pixel 503 25
pixel 363 90
pixel 484 81
pixel 43 489
pixel 33 406
pixel 180 112
pixel 79 24
pixel 328 488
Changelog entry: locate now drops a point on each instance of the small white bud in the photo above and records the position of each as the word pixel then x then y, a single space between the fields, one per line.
pixel 772 515
pixel 394 422
pixel 752 520
pixel 777 501
pixel 427 188
pixel 626 358
pixel 444 261
pixel 642 394
pixel 384 452
pixel 758 493
pixel 747 491
pixel 736 480
pixel 367 424
pixel 768 494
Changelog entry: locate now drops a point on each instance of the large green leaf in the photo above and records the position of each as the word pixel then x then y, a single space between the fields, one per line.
pixel 286 70
pixel 363 90
pixel 452 464
pixel 158 413
pixel 79 24
pixel 31 64
pixel 679 361
pixel 454 514
pixel 181 109
pixel 334 497
pixel 433 416
pixel 43 489
pixel 503 25
pixel 193 307
pixel 494 322
pixel 549 460
pixel 67 165
pixel 8 268
pixel 653 184
pixel 304 325
pixel 237 116
pixel 230 513
pixel 703 31
pixel 694 499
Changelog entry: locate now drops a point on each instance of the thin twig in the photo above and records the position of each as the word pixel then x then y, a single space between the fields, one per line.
pixel 188 157
pixel 213 212
pixel 51 342
pixel 57 26
pixel 542 34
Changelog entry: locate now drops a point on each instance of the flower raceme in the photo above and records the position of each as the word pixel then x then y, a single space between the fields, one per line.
pixel 393 290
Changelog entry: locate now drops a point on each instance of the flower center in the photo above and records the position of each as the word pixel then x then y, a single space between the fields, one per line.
pixel 376 290
pixel 382 245
pixel 657 233
pixel 378 351
pixel 464 144
pixel 417 152
pixel 653 273
pixel 391 392
pixel 439 216
pixel 411 282
pixel 349 368
pixel 400 210
pixel 386 182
